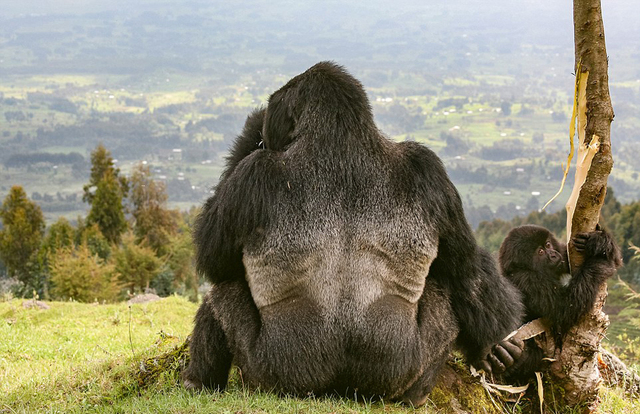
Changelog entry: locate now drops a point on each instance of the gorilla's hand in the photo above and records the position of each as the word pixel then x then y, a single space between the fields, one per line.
pixel 598 244
pixel 501 356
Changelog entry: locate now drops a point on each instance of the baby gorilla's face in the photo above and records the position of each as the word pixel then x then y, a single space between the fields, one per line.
pixel 548 257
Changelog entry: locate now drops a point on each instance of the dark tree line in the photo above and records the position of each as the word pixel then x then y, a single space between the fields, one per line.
pixel 19 160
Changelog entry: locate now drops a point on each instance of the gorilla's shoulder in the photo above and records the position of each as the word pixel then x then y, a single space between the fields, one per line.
pixel 421 160
pixel 256 163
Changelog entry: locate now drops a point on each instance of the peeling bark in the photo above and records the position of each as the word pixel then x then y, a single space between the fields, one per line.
pixel 576 367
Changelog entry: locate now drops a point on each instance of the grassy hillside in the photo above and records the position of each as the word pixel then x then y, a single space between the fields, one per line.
pixel 74 358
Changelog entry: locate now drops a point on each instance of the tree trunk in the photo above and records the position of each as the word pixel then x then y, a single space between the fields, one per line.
pixel 575 370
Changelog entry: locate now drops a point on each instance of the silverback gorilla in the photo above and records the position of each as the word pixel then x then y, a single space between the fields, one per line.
pixel 339 259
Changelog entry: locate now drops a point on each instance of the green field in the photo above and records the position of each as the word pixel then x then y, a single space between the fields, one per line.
pixel 129 118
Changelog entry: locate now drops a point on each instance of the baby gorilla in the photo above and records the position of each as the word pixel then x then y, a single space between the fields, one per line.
pixel 536 263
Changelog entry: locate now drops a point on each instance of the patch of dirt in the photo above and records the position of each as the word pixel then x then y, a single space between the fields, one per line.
pixel 145 298
pixel 38 304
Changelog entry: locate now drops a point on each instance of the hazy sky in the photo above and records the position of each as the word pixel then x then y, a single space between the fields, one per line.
pixel 622 17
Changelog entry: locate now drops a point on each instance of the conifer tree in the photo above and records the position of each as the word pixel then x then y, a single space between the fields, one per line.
pixel 101 163
pixel 106 208
pixel 105 192
pixel 20 238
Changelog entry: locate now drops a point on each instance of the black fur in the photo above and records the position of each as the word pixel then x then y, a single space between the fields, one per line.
pixel 249 141
pixel 339 259
pixel 535 262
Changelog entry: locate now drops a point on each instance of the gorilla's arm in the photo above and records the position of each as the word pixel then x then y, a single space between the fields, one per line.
pixel 602 258
pixel 486 305
pixel 541 292
pixel 237 210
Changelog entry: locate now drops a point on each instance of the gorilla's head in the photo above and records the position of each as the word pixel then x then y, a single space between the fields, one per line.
pixel 532 248
pixel 323 101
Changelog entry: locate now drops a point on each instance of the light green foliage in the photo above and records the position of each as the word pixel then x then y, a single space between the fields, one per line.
pixel 137 265
pixel 20 237
pixel 93 238
pixel 79 274
pixel 180 261
pixel 490 234
pixel 59 235
pixel 627 224
pixel 154 224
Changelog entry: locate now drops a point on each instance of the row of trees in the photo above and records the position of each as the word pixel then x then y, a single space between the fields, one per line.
pixel 129 242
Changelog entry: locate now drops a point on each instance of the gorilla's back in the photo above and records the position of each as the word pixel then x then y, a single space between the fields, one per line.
pixel 341 245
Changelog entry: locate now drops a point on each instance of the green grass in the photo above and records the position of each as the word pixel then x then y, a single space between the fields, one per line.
pixel 57 358
pixel 84 358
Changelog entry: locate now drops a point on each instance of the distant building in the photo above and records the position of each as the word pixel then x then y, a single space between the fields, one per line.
pixel 176 154
pixel 170 155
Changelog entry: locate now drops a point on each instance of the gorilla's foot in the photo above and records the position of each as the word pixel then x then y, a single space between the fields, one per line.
pixel 192 385
pixel 190 382
pixel 418 392
pixel 415 396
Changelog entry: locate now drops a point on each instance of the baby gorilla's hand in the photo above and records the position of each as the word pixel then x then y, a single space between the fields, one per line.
pixel 598 244
pixel 502 356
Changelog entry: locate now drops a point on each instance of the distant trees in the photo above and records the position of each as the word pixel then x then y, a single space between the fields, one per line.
pixel 91 236
pixel 506 149
pixel 60 235
pixel 444 103
pixel 153 223
pixel 20 238
pixel 455 145
pixel 398 119
pixel 19 160
pixel 101 164
pixel 525 110
pixel 558 116
pixel 225 124
pixel 104 257
pixel 79 274
pixel 106 208
pixel 505 108
pixel 137 265
pixel 15 116
pixel 627 230
pixel 179 259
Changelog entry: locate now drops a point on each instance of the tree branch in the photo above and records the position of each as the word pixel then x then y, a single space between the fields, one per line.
pixel 576 367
